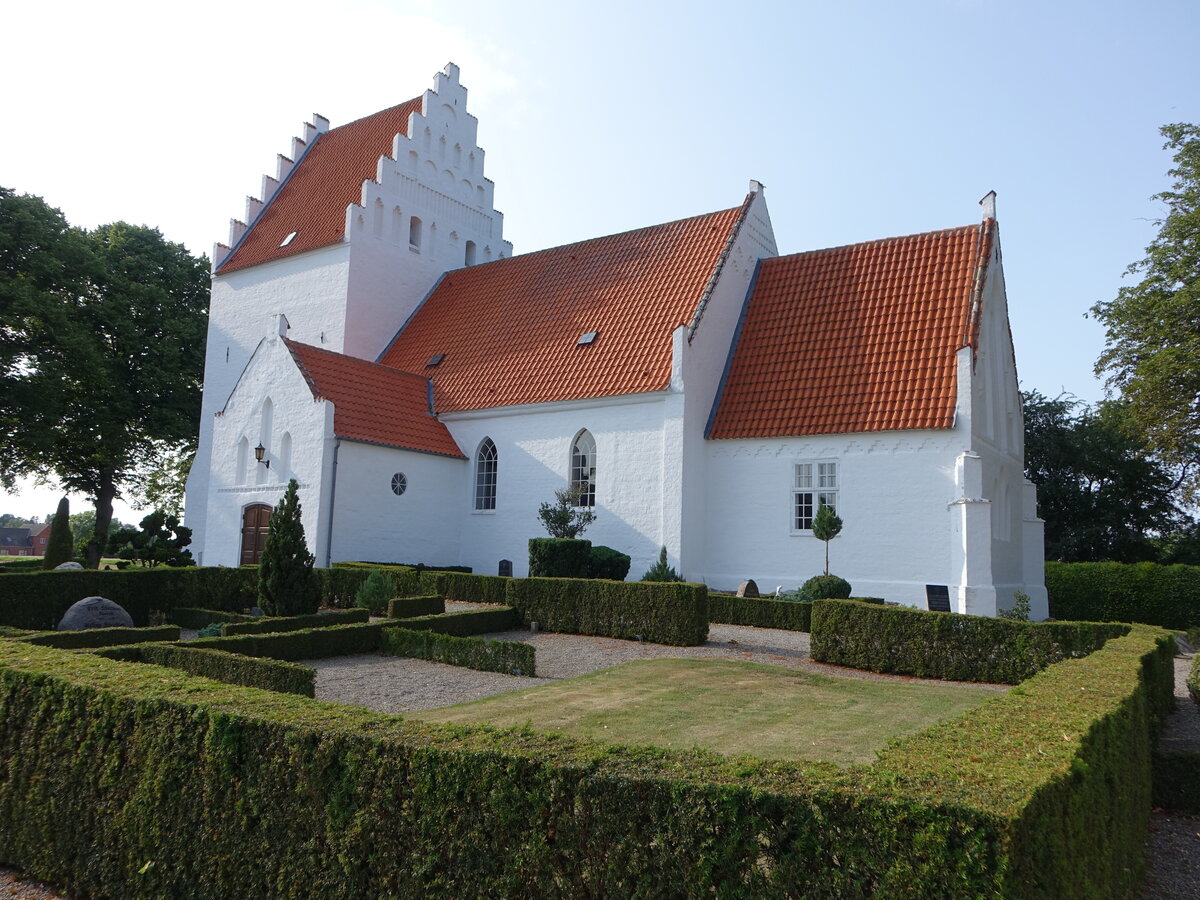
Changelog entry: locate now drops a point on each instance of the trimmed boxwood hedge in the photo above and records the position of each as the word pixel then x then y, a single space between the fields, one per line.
pixel 219 665
pixel 559 557
pixel 466 587
pixel 271 624
pixel 906 641
pixel 1193 679
pixel 1147 592
pixel 407 607
pixel 465 623
pixel 509 657
pixel 100 637
pixel 663 612
pixel 761 612
pixel 191 789
pixel 311 643
pixel 190 617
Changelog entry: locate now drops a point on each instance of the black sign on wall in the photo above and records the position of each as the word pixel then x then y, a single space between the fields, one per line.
pixel 937 597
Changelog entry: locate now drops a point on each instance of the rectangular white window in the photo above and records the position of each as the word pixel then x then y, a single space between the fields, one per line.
pixel 816 484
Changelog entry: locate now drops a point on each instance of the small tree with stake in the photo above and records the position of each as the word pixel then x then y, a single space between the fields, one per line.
pixel 287 585
pixel 825 527
pixel 565 518
pixel 60 546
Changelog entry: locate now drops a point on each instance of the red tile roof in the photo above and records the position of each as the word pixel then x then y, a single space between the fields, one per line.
pixel 857 338
pixel 510 329
pixel 373 403
pixel 312 200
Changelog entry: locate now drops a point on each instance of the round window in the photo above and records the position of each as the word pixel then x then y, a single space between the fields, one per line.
pixel 399 484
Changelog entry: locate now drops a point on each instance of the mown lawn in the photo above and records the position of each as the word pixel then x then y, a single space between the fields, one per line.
pixel 727 706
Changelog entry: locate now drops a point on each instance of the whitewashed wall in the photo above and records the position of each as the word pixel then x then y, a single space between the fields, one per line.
pixel 295 437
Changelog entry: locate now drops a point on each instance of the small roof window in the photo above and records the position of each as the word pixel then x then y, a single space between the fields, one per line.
pixel 287 240
pixel 588 336
pixel 435 360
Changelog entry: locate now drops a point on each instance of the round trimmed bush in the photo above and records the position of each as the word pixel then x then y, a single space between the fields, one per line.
pixel 822 587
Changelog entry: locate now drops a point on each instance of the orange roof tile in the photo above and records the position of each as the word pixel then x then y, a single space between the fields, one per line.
pixel 509 329
pixel 857 338
pixel 373 403
pixel 312 200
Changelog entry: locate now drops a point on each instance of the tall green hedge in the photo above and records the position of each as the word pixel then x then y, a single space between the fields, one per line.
pixel 190 789
pixel 1146 592
pixel 761 612
pixel 559 557
pixel 907 641
pixel 269 624
pixel 508 657
pixel 466 587
pixel 663 612
pixel 219 665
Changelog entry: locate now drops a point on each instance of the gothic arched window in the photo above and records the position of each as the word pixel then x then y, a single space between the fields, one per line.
pixel 485 475
pixel 583 468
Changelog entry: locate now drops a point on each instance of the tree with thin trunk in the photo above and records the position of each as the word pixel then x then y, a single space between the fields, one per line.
pixel 60 546
pixel 825 527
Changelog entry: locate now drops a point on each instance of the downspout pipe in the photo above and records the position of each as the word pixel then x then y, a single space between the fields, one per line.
pixel 337 445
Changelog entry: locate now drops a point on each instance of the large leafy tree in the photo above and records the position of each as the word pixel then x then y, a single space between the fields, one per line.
pixel 1153 327
pixel 1102 494
pixel 103 353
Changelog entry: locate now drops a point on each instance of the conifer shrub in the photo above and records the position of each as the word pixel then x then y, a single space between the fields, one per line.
pixel 375 592
pixel 482 654
pixel 286 583
pixel 605 562
pixel 559 558
pixel 60 546
pixel 822 587
pixel 660 571
pixel 212 629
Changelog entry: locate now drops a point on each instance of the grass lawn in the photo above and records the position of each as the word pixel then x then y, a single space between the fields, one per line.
pixel 727 706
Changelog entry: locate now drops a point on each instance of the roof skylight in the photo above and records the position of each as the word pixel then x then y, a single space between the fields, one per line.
pixel 287 240
pixel 588 336
pixel 436 359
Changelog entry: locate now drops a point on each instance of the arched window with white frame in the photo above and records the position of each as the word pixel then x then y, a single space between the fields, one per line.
pixel 486 470
pixel 583 468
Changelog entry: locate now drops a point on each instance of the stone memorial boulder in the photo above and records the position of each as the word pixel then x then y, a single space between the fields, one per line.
pixel 95 612
pixel 71 566
pixel 747 588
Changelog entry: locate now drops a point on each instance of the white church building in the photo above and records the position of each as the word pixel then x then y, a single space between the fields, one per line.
pixel 373 336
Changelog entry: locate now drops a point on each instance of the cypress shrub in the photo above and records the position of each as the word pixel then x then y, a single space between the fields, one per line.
pixel 508 657
pixel 663 612
pixel 407 607
pixel 1168 596
pixel 760 612
pixel 60 546
pixel 275 625
pixel 286 584
pixel 559 557
pixel 375 592
pixel 605 562
pixel 906 641
pixel 660 571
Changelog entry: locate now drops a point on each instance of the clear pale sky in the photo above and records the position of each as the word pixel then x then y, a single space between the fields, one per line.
pixel 863 119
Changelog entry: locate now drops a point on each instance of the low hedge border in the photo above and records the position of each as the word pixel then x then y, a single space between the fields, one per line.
pixel 1041 792
pixel 466 623
pixel 408 607
pixel 1168 596
pixel 100 637
pixel 1193 679
pixel 760 612
pixel 311 643
pixel 901 640
pixel 508 657
pixel 674 613
pixel 220 665
pixel 274 624
pixel 191 617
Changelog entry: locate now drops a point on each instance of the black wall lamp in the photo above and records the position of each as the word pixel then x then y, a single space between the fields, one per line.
pixel 259 451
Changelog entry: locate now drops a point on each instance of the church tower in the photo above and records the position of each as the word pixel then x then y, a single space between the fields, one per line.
pixel 353 230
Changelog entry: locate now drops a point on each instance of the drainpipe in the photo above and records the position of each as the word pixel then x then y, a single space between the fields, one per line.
pixel 332 494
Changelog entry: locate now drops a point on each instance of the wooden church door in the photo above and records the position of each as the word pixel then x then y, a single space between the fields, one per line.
pixel 255 520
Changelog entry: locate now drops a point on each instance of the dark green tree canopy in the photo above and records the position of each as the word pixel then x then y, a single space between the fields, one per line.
pixel 1102 494
pixel 1153 327
pixel 101 360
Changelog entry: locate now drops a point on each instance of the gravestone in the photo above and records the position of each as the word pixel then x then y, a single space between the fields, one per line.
pixel 68 565
pixel 747 588
pixel 506 568
pixel 95 612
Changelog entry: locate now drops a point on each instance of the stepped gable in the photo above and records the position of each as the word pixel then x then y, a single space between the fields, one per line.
pixel 856 338
pixel 327 178
pixel 508 331
pixel 373 403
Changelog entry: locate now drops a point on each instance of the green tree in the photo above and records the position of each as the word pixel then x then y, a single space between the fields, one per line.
pixel 1102 494
pixel 826 525
pixel 565 518
pixel 161 540
pixel 102 356
pixel 660 571
pixel 287 585
pixel 1152 329
pixel 59 546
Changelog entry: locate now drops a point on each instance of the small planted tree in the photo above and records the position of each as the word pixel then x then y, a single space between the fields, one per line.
pixel 660 571
pixel 161 541
pixel 565 518
pixel 287 585
pixel 61 544
pixel 375 592
pixel 825 527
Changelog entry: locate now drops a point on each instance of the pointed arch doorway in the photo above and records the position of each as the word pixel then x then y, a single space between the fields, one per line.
pixel 255 520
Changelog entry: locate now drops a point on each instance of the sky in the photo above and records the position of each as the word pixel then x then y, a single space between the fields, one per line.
pixel 864 119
